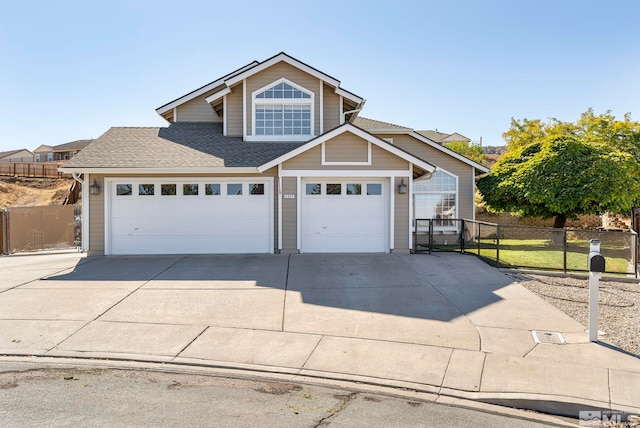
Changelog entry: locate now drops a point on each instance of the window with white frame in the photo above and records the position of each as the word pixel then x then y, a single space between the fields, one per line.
pixel 436 198
pixel 282 111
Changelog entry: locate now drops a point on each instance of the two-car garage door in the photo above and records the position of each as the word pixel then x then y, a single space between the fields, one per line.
pixel 190 216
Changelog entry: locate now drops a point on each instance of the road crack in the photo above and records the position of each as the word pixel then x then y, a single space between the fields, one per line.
pixel 345 400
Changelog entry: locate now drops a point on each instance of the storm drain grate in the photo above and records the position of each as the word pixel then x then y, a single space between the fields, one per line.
pixel 548 337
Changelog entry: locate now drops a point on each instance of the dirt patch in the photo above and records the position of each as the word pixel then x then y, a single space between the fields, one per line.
pixel 33 192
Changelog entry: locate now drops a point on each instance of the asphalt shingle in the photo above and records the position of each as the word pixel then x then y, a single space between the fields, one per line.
pixel 180 145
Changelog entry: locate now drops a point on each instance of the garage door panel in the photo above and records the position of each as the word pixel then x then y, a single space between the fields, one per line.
pixel 167 224
pixel 344 223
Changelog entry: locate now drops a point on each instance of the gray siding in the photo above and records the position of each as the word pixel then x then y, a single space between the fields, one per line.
pixel 234 112
pixel 331 102
pixel 197 110
pixel 401 215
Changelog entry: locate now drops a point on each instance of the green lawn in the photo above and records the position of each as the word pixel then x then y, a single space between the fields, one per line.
pixel 543 254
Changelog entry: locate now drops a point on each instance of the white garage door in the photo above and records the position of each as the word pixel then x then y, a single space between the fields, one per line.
pixel 189 216
pixel 344 216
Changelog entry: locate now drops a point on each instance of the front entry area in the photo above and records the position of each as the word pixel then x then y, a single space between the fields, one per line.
pixel 189 216
pixel 344 215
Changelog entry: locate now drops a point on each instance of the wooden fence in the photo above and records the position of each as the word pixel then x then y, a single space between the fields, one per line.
pixel 35 170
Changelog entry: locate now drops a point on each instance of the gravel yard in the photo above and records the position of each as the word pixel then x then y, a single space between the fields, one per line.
pixel 619 305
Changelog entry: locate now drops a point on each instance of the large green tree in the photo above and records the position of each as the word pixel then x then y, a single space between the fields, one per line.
pixel 467 149
pixel 562 169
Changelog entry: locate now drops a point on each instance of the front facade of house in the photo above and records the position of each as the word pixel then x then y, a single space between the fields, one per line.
pixel 271 158
pixel 16 156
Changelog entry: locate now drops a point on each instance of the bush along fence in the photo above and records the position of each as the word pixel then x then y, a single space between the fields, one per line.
pixel 526 247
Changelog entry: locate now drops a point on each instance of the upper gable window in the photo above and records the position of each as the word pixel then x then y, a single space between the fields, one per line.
pixel 282 111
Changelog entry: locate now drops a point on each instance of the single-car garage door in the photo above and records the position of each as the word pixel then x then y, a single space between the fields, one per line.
pixel 341 215
pixel 189 216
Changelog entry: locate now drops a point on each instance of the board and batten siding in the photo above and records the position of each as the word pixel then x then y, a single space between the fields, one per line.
pixel 295 75
pixel 466 185
pixel 197 110
pixel 234 112
pixel 380 159
pixel 290 215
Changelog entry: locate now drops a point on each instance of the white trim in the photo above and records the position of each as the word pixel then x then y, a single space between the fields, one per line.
pixel 299 213
pixel 340 108
pixel 280 207
pixel 388 140
pixel 282 57
pixel 224 115
pixel 183 170
pixel 348 95
pixel 321 115
pixel 448 151
pixel 345 173
pixel 473 194
pixel 175 114
pixel 282 101
pixel 411 213
pixel 244 109
pixel 347 127
pixel 220 94
pixel 108 186
pixel 183 99
pixel 85 213
pixel 392 213
pixel 354 163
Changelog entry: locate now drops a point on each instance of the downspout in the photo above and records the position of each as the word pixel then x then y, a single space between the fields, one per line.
pixel 75 177
pixel 358 109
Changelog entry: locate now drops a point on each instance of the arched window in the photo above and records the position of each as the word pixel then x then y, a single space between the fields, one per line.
pixel 436 198
pixel 282 111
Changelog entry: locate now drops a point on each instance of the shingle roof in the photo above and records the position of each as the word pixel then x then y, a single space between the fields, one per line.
pixel 182 144
pixel 434 136
pixel 372 125
pixel 73 145
pixel 11 152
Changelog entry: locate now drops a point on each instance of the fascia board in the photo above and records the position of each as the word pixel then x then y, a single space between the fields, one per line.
pixel 348 95
pixel 217 95
pixel 347 127
pixel 191 95
pixel 184 171
pixel 291 61
pixel 449 152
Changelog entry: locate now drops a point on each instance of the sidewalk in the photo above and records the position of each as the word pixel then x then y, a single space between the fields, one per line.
pixel 447 325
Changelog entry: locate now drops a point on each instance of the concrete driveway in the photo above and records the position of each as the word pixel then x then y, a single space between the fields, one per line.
pixel 447 324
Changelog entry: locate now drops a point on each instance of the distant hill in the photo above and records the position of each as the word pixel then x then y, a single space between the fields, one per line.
pixel 33 192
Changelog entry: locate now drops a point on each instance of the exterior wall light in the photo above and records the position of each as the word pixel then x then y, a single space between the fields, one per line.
pixel 94 189
pixel 402 187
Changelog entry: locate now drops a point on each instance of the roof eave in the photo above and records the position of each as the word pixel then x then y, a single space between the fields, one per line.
pixel 160 170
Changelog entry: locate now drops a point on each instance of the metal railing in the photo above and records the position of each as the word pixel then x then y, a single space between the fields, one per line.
pixel 527 247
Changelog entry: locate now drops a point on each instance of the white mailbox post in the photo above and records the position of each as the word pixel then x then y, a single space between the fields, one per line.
pixel 596 267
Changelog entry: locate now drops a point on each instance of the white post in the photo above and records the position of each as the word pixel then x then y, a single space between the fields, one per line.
pixel 594 280
pixel 594 283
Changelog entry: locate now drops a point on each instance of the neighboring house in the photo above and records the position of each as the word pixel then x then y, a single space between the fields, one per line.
pixel 16 156
pixel 271 158
pixel 60 152
pixel 443 137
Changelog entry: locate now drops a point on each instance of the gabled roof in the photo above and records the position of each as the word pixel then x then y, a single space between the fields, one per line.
pixel 73 145
pixel 12 152
pixel 43 148
pixel 253 68
pixel 201 90
pixel 441 137
pixel 378 126
pixel 180 147
pixel 348 127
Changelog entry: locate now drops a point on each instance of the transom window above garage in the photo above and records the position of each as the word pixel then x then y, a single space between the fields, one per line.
pixel 282 111
pixel 349 189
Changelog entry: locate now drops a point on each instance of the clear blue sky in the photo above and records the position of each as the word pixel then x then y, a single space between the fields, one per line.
pixel 70 70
